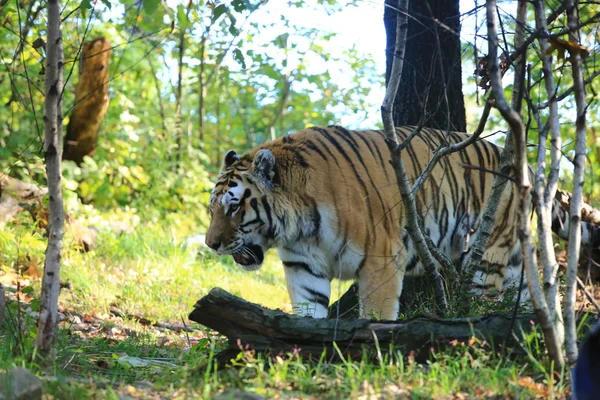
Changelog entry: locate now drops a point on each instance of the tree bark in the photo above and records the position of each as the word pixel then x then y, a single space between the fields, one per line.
pixel 91 101
pixel 48 313
pixel 430 92
pixel 545 192
pixel 250 326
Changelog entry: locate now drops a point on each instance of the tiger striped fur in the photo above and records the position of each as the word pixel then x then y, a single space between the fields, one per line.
pixel 327 199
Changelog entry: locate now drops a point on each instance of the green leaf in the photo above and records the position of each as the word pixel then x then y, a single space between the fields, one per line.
pixel 107 4
pixel 85 6
pixel 239 58
pixel 218 11
pixel 35 304
pixel 238 5
pixel 281 40
pixel 27 290
pixel 151 5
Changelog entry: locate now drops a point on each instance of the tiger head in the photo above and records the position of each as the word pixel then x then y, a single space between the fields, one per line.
pixel 241 219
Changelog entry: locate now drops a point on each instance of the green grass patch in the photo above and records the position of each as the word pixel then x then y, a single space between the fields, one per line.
pixel 147 270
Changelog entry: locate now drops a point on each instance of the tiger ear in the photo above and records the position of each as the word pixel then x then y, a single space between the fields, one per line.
pixel 230 158
pixel 263 165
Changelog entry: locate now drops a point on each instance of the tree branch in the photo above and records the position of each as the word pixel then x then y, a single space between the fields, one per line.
pixel 545 191
pixel 575 211
pixel 524 186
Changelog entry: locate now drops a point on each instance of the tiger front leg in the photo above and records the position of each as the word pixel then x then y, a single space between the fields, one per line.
pixel 308 288
pixel 380 285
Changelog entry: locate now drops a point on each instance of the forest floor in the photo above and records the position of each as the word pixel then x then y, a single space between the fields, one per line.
pixel 125 334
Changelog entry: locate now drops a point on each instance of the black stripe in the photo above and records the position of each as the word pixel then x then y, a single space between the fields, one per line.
pixel 314 148
pixel 267 207
pixel 317 297
pixel 412 263
pixel 304 266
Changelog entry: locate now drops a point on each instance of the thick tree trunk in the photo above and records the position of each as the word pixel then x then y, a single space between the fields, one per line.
pixel 91 101
pixel 430 91
pixel 48 317
pixel 248 325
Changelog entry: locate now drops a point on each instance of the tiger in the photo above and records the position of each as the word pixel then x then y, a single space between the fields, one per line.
pixel 327 199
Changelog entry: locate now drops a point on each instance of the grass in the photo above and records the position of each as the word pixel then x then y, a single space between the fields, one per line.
pixel 147 270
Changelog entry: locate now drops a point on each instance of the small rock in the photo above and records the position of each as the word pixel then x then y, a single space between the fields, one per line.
pixel 20 384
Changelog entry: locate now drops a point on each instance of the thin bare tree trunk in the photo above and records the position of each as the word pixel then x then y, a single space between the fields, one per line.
pixel 218 122
pixel 161 106
pixel 545 192
pixel 2 304
pixel 48 317
pixel 410 207
pixel 179 93
pixel 202 89
pixel 524 186
pixel 576 200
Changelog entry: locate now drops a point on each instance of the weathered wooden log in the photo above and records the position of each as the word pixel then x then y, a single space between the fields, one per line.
pixel 17 196
pixel 588 213
pixel 250 326
pixel 91 101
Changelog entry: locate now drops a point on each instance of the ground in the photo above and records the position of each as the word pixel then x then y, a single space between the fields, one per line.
pixel 125 332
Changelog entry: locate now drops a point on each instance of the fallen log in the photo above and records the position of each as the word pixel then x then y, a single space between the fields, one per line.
pixel 588 213
pixel 250 326
pixel 17 196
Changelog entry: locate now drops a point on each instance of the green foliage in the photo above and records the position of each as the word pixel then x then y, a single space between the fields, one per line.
pixel 149 157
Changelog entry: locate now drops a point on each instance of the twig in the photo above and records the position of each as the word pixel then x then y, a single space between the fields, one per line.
pixel 587 293
pixel 147 321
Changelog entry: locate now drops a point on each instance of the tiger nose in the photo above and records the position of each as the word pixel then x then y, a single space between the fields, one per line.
pixel 213 243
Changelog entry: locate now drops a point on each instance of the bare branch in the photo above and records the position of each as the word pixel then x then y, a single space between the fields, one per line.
pixel 575 211
pixel 524 187
pixel 587 293
pixel 545 192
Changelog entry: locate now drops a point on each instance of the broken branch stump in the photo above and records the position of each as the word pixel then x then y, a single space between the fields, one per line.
pixel 250 326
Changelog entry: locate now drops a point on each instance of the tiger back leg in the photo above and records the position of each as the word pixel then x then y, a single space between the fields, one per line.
pixel 380 285
pixel 501 269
